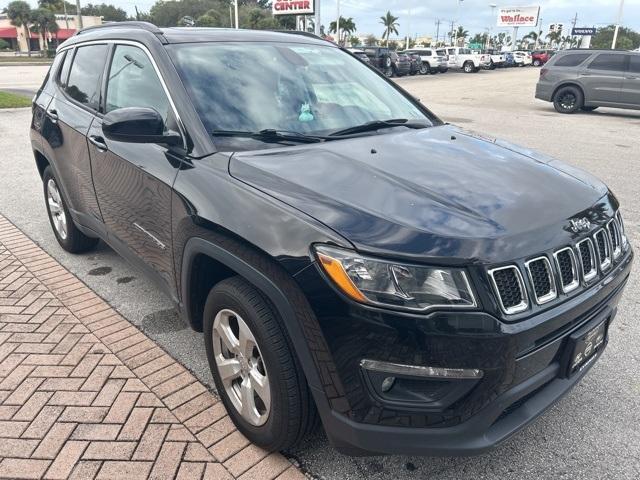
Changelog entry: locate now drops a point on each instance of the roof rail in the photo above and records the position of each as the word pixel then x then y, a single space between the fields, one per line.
pixel 150 27
pixel 302 34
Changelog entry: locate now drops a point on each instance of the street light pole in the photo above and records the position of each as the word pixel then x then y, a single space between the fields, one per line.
pixel 338 21
pixel 79 12
pixel 455 32
pixel 493 9
pixel 236 13
pixel 615 33
pixel 409 32
pixel 316 25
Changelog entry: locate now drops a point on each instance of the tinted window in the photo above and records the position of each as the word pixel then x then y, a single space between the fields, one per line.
pixel 133 82
pixel 66 66
pixel 572 60
pixel 84 78
pixel 634 63
pixel 608 61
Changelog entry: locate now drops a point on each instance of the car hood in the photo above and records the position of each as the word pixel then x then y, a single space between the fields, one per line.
pixel 430 193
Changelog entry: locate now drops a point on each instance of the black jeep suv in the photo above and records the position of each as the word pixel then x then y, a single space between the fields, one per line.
pixel 421 289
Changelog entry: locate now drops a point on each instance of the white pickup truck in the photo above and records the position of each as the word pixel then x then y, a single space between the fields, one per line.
pixel 465 59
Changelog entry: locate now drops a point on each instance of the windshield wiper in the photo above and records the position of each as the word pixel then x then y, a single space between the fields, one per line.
pixel 270 134
pixel 377 125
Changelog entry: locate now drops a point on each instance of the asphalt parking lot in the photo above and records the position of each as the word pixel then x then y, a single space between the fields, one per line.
pixel 592 433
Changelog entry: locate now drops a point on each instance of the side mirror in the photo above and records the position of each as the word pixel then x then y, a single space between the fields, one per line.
pixel 137 125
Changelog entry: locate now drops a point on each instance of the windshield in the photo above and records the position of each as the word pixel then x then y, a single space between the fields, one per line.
pixel 293 87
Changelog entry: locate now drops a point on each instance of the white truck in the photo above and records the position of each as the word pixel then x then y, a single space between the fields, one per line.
pixel 465 59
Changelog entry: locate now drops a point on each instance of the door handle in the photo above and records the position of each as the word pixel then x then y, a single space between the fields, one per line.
pixel 53 115
pixel 98 142
pixel 631 77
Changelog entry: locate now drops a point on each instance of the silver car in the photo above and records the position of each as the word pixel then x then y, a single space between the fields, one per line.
pixel 587 79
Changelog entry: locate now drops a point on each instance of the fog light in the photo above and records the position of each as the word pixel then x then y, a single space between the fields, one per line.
pixel 387 384
pixel 420 371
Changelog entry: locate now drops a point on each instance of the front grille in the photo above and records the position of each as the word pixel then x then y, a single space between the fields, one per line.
pixel 509 286
pixel 566 263
pixel 614 238
pixel 602 246
pixel 587 259
pixel 542 279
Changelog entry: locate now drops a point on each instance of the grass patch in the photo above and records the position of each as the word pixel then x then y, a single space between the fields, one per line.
pixel 10 100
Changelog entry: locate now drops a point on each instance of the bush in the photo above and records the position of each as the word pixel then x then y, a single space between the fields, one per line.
pixel 50 53
pixel 4 45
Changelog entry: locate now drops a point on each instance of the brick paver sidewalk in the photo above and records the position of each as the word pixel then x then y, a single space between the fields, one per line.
pixel 84 394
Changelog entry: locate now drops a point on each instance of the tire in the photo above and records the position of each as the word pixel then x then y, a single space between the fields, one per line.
pixel 388 72
pixel 424 69
pixel 291 413
pixel 67 234
pixel 568 99
pixel 588 109
pixel 492 66
pixel 468 67
pixel 537 63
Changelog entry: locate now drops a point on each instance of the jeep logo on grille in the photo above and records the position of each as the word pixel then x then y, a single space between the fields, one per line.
pixel 579 225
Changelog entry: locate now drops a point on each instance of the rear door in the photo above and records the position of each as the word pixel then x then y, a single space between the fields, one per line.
pixel 631 86
pixel 603 77
pixel 69 115
pixel 133 181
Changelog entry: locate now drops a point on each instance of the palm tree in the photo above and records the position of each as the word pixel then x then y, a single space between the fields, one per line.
pixel 461 33
pixel 347 27
pixel 533 37
pixel 19 13
pixel 554 37
pixel 390 26
pixel 41 21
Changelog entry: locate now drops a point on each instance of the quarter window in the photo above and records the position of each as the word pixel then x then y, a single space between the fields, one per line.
pixel 86 71
pixel 66 66
pixel 133 82
pixel 608 61
pixel 572 60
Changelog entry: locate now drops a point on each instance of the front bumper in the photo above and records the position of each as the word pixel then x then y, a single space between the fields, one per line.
pixel 523 364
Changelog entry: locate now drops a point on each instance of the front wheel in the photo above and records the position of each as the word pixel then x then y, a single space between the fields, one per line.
pixel 388 72
pixel 568 100
pixel 254 368
pixel 468 67
pixel 424 69
pixel 537 63
pixel 67 234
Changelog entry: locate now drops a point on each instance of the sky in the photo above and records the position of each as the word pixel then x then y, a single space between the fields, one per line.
pixel 475 15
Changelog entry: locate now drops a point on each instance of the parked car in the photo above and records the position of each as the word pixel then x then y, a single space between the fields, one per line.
pixel 347 254
pixel 522 59
pixel 587 79
pixel 433 61
pixel 360 54
pixel 496 59
pixel 465 59
pixel 540 57
pixel 400 63
pixel 416 62
pixel 380 57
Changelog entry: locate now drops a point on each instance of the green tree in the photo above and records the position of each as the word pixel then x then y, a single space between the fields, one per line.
pixel 43 21
pixel 555 37
pixel 627 39
pixel 391 25
pixel 461 34
pixel 347 27
pixel 354 41
pixel 110 13
pixel 19 13
pixel 4 45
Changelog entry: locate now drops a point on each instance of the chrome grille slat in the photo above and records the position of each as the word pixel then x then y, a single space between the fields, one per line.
pixel 542 278
pixel 623 237
pixel 603 249
pixel 567 268
pixel 587 254
pixel 614 238
pixel 510 289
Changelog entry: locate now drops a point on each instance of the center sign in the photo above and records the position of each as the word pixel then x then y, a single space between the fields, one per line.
pixel 518 16
pixel 293 7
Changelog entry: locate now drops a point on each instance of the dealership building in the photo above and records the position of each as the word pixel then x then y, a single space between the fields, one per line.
pixel 22 41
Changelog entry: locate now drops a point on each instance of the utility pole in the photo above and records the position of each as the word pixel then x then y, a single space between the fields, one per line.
pixel 338 21
pixel 451 36
pixel 538 33
pixel 316 25
pixel 409 32
pixel 493 9
pixel 236 13
pixel 64 9
pixel 438 22
pixel 573 26
pixel 79 12
pixel 615 33
pixel 457 21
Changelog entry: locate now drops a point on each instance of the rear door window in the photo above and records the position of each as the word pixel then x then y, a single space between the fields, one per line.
pixel 84 79
pixel 571 60
pixel 634 63
pixel 608 61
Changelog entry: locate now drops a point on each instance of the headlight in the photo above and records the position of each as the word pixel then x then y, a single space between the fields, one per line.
pixel 408 287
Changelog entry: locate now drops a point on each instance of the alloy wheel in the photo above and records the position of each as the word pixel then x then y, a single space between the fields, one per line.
pixel 567 101
pixel 241 367
pixel 56 209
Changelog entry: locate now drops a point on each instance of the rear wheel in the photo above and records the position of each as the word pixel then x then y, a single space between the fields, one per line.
pixel 568 100
pixel 468 67
pixel 254 368
pixel 424 69
pixel 67 234
pixel 537 63
pixel 388 72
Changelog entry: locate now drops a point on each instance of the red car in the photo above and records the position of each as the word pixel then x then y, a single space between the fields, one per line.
pixel 540 57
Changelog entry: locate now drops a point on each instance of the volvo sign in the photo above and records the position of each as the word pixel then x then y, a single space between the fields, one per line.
pixel 583 32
